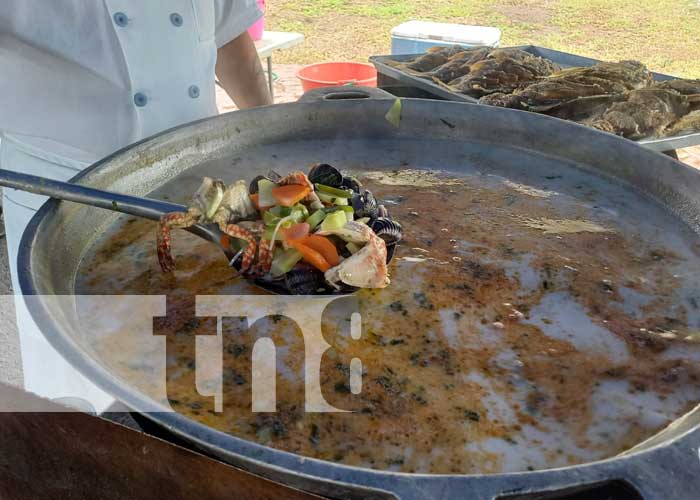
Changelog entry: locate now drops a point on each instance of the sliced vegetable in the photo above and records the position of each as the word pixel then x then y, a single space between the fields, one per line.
pixel 270 233
pixel 352 248
pixel 330 199
pixel 225 241
pixel 363 220
pixel 393 116
pixel 269 218
pixel 303 208
pixel 265 198
pixel 280 211
pixel 284 261
pixel 290 195
pixel 349 212
pixel 334 221
pixel 296 232
pixel 316 218
pixel 312 257
pixel 344 208
pixel 325 247
pixel 275 233
pixel 326 198
pixel 296 216
pixel 255 198
pixel 336 192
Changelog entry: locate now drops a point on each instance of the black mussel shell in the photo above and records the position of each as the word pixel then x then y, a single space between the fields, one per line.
pixel 387 229
pixel 304 280
pixel 390 251
pixel 253 188
pixel 351 183
pixel 365 205
pixel 325 174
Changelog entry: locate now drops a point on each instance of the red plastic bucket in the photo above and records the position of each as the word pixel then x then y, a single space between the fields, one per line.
pixel 332 74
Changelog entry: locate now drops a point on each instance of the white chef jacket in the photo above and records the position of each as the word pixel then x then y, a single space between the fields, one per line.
pixel 100 74
pixel 80 79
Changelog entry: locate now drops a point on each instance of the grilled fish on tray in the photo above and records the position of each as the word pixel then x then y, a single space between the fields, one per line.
pixel 544 95
pixel 643 113
pixel 500 74
pixel 481 71
pixel 617 97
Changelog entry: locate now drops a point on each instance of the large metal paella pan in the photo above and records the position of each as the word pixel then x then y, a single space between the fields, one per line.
pixel 499 206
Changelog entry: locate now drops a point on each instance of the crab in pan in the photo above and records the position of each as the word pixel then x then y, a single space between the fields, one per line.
pixel 232 209
pixel 365 269
pixel 213 202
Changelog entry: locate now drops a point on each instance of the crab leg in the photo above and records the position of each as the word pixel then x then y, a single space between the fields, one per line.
pixel 264 257
pixel 241 233
pixel 177 220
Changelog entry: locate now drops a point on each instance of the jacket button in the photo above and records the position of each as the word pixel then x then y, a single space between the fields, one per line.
pixel 140 99
pixel 120 19
pixel 176 19
pixel 193 91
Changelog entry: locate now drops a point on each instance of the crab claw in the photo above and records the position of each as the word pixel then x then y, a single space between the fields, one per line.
pixel 248 255
pixel 353 231
pixel 365 269
pixel 167 222
pixel 264 257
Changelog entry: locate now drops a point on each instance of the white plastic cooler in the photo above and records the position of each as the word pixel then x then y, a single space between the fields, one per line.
pixel 415 37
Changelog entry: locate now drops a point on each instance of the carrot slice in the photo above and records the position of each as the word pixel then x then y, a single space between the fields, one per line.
pixel 255 198
pixel 312 256
pixel 224 240
pixel 325 247
pixel 290 195
pixel 297 232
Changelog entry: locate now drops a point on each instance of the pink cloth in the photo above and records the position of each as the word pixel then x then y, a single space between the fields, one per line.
pixel 257 29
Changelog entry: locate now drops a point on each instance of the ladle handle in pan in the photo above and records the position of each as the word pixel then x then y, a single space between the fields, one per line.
pixel 132 205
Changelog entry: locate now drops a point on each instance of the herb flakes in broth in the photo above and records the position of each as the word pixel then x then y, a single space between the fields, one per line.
pixel 553 226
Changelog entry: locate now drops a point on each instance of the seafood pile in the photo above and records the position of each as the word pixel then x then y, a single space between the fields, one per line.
pixel 303 234
pixel 479 71
pixel 616 97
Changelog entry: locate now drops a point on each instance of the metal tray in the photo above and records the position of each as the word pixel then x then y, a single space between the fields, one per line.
pixel 564 59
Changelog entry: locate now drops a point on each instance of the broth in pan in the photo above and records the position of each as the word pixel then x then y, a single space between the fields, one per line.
pixel 532 322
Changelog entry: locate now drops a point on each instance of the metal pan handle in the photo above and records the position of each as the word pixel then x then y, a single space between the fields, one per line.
pixel 343 93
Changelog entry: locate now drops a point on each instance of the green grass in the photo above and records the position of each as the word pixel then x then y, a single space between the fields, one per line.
pixel 664 34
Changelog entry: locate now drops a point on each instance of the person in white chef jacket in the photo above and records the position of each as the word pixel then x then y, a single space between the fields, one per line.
pixel 80 79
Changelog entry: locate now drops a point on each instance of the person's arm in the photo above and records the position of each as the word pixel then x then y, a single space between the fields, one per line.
pixel 240 73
